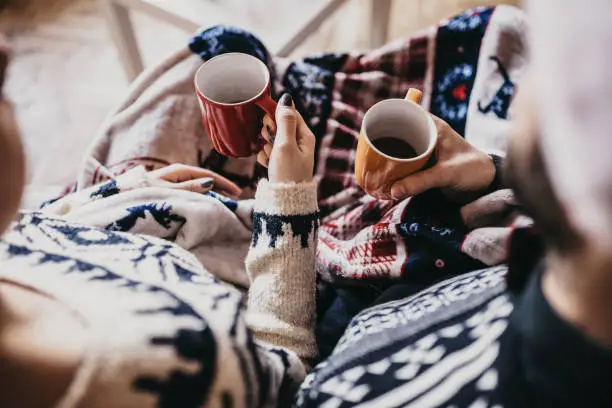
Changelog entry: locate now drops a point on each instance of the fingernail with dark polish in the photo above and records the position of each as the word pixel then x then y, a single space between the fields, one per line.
pixel 272 139
pixel 285 100
pixel 207 184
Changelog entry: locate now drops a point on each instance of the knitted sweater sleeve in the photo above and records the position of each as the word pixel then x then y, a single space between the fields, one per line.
pixel 281 266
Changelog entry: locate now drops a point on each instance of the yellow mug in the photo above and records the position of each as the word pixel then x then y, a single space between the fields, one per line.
pixel 397 139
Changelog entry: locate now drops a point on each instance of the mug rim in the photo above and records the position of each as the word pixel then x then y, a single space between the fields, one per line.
pixel 430 125
pixel 232 105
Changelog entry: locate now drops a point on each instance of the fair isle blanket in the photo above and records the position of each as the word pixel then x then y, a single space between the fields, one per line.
pixel 468 68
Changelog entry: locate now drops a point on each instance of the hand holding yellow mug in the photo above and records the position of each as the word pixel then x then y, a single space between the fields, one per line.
pixel 397 139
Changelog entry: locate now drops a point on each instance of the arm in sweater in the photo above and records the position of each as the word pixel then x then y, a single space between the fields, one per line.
pixel 281 266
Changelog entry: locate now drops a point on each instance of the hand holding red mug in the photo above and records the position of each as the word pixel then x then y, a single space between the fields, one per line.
pixel 289 153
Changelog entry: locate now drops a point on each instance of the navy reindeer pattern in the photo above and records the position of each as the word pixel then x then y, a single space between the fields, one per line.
pixel 500 103
pixel 174 330
pixel 160 211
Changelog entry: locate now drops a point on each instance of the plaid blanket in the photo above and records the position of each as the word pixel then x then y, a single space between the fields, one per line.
pixel 468 68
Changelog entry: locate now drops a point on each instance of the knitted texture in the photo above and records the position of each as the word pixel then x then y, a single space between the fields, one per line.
pixel 281 266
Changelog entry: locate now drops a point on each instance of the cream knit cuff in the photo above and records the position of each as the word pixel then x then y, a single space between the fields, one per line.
pixel 286 198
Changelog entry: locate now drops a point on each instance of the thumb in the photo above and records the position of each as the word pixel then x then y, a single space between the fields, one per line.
pixel 418 183
pixel 286 121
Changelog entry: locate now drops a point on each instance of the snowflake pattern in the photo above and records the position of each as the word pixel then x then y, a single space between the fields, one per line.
pixel 457 52
pixel 470 20
pixel 423 357
pixel 451 96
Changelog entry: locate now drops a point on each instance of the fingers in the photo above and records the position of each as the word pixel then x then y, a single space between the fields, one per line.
pixel 419 182
pixel 201 185
pixel 263 157
pixel 304 135
pixel 268 149
pixel 178 173
pixel 441 127
pixel 286 121
pixel 223 184
pixel 268 129
pixel 491 209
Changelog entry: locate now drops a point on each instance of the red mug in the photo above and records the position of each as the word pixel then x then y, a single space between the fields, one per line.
pixel 234 92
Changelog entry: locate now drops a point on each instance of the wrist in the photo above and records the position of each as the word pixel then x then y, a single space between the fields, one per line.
pixel 497 180
pixel 488 174
pixel 291 171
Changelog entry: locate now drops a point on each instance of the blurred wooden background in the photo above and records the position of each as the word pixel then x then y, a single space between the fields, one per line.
pixel 66 75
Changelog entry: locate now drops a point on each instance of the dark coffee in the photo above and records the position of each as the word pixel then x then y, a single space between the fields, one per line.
pixel 394 147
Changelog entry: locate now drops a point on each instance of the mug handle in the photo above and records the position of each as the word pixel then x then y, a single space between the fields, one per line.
pixel 414 95
pixel 268 105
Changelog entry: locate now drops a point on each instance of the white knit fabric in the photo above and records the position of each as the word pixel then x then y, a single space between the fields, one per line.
pixel 161 330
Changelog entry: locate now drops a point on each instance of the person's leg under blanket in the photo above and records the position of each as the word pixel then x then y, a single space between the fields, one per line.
pixel 346 303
